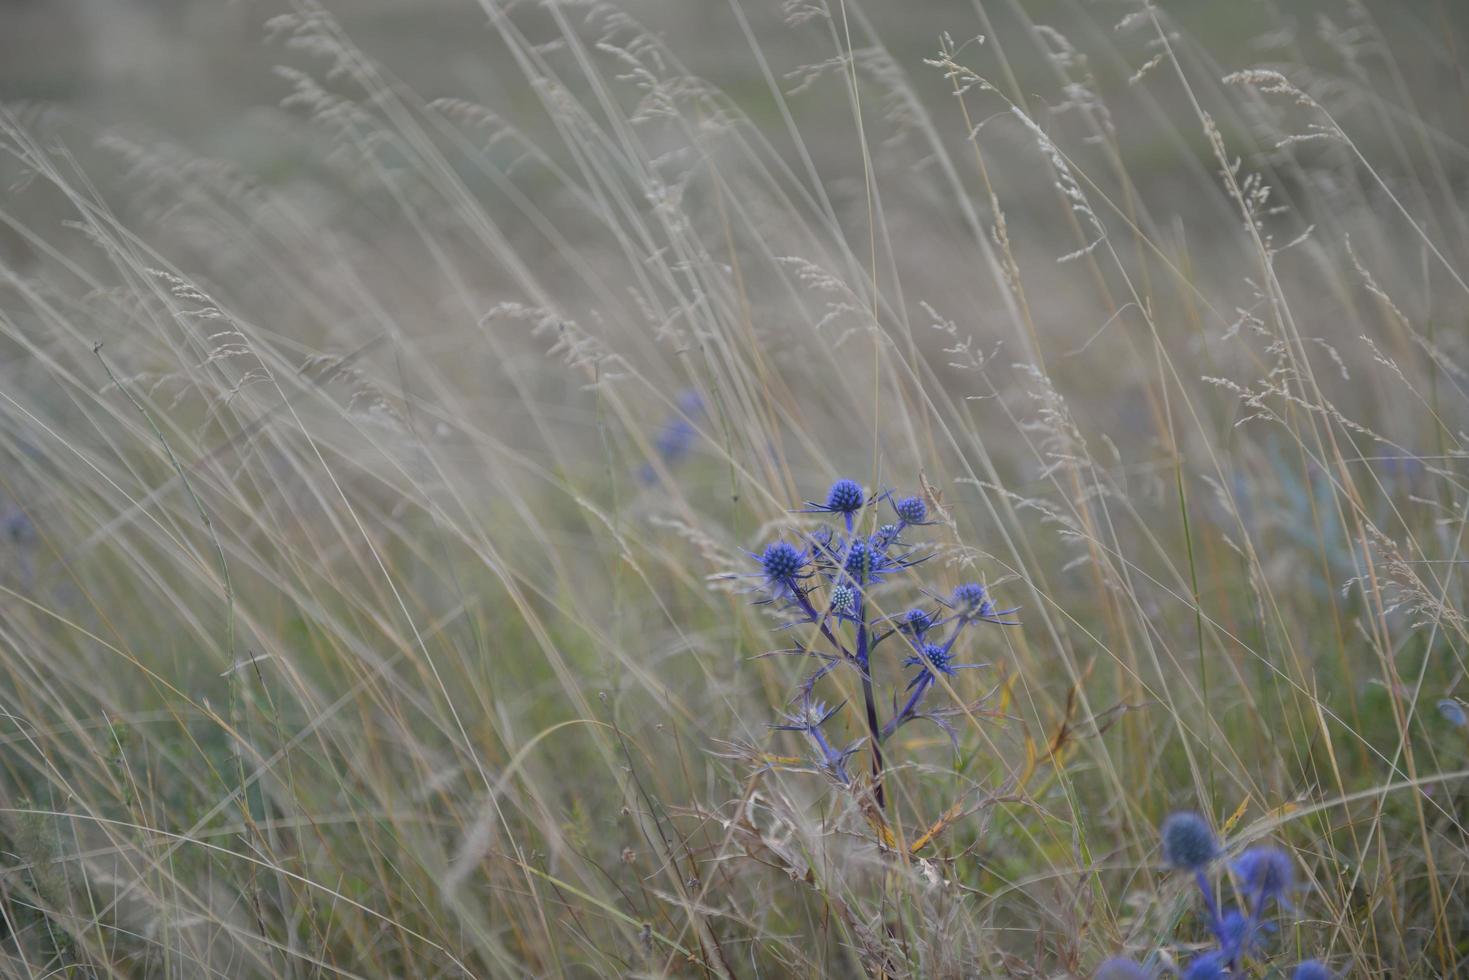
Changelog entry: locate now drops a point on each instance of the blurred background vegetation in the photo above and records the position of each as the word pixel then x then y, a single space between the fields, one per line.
pixel 501 694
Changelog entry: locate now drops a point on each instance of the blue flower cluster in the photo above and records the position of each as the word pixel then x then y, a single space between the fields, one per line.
pixel 827 579
pixel 1265 876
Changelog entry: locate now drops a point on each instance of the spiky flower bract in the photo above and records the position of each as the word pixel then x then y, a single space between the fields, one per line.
pixel 1188 843
pixel 808 720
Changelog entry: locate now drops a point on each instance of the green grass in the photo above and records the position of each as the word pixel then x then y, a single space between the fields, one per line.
pixel 339 635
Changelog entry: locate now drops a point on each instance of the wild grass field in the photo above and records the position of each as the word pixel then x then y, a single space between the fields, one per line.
pixel 467 471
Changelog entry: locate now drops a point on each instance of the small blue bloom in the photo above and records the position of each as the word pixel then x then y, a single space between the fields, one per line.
pixel 677 437
pixel 843 601
pixel 971 603
pixel 1122 968
pixel 935 657
pixel 1210 966
pixel 1453 712
pixel 911 510
pixel 844 497
pixel 933 654
pixel 1267 874
pixel 1312 970
pixel 1188 843
pixel 856 561
pixel 866 562
pixel 782 565
pixel 969 598
pixel 916 622
pixel 18 526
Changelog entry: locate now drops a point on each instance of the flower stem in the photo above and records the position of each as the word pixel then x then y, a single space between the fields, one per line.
pixel 870 702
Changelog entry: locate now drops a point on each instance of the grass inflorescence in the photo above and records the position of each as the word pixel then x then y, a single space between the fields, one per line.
pixel 403 563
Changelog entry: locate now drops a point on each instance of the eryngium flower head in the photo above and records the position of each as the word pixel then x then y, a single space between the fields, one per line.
pixel 911 510
pixel 781 564
pixel 1453 712
pixel 935 654
pixel 916 622
pixel 972 602
pixel 969 598
pixel 1210 966
pixel 1312 970
pixel 866 562
pixel 844 497
pixel 1121 968
pixel 1188 842
pixel 843 600
pixel 1267 872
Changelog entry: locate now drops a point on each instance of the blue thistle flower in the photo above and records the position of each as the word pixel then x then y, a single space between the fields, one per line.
pixel 1453 712
pixel 1267 874
pixel 18 526
pixel 844 497
pixel 916 622
pixel 1122 968
pixel 1210 966
pixel 969 598
pixel 936 655
pixel 971 603
pixel 1188 843
pixel 866 562
pixel 843 601
pixel 675 439
pixel 855 564
pixel 782 564
pixel 1312 970
pixel 911 510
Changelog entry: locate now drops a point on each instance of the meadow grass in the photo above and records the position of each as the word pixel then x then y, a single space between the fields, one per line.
pixel 375 592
